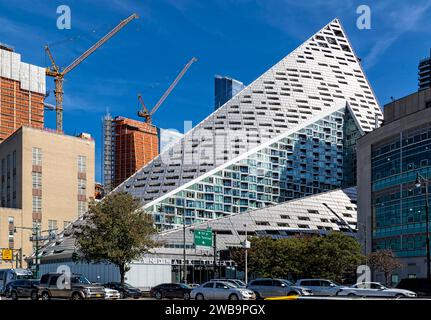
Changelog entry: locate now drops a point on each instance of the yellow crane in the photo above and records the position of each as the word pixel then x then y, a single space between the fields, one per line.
pixel 145 113
pixel 58 74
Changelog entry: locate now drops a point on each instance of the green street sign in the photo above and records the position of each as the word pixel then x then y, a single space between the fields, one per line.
pixel 203 239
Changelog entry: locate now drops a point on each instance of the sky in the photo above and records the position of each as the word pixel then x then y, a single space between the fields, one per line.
pixel 237 38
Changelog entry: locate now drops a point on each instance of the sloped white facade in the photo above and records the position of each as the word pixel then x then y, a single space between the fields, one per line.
pixel 315 81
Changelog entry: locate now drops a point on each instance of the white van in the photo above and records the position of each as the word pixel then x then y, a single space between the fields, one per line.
pixel 8 275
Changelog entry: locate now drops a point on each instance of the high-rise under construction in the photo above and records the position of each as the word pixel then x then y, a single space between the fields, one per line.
pixel 128 145
pixel 22 93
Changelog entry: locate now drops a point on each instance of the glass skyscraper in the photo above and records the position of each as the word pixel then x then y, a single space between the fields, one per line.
pixel 391 207
pixel 224 89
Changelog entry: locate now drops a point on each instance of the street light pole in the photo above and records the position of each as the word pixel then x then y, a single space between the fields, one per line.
pixel 184 246
pixel 418 185
pixel 246 256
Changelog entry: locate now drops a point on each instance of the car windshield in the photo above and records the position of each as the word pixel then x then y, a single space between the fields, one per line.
pixel 185 286
pixel 229 285
pixel 80 279
pixel 128 286
pixel 240 283
pixel 287 282
pixel 336 283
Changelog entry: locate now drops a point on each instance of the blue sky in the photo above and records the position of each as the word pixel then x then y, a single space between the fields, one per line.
pixel 239 38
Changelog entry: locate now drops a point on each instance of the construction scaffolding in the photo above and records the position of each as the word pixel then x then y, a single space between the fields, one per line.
pixel 127 146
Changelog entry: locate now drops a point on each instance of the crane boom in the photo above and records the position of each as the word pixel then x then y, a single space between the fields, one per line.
pixel 99 43
pixel 54 70
pixel 172 86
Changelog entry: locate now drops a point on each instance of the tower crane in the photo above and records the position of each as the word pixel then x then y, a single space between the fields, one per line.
pixel 58 74
pixel 145 113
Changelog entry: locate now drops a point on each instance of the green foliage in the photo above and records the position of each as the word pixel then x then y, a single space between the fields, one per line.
pixel 116 230
pixel 330 257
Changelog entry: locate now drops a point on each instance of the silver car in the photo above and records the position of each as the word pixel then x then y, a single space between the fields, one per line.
pixel 374 289
pixel 320 287
pixel 266 287
pixel 219 290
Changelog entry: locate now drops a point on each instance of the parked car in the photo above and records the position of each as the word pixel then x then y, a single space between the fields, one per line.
pixel 266 287
pixel 171 290
pixel 374 289
pixel 9 275
pixel 125 290
pixel 77 288
pixel 111 294
pixel 320 287
pixel 236 282
pixel 22 289
pixel 221 290
pixel 421 286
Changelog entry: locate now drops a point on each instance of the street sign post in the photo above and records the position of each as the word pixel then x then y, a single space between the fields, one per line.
pixel 7 254
pixel 203 239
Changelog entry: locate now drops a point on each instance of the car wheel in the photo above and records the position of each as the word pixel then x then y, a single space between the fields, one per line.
pixel 45 296
pixel 200 296
pixel 292 293
pixel 351 295
pixel 14 295
pixel 258 297
pixel 186 296
pixel 399 295
pixel 76 296
pixel 233 297
pixel 159 295
pixel 33 295
pixel 121 295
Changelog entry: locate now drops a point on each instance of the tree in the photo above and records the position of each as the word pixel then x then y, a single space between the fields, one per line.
pixel 332 256
pixel 384 261
pixel 116 230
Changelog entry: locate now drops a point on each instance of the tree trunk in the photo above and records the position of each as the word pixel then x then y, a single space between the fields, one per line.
pixel 122 269
pixel 387 277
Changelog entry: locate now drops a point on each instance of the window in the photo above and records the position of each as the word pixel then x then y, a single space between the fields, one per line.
pixel 82 164
pixel 37 180
pixel 37 204
pixel 82 207
pixel 11 227
pixel 82 187
pixel 262 223
pixel 209 285
pixel 37 156
pixel 52 224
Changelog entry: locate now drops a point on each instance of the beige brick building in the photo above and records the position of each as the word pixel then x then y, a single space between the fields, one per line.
pixel 45 178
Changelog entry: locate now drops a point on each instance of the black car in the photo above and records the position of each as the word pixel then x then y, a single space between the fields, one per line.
pixel 421 286
pixel 171 290
pixel 125 289
pixel 22 289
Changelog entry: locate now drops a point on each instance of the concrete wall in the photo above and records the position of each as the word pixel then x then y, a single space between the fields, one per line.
pixel 141 275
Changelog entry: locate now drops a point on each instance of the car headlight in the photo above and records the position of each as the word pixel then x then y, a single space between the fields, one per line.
pixel 245 293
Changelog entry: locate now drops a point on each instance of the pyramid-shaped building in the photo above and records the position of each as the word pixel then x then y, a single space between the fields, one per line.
pixel 291 133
